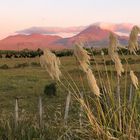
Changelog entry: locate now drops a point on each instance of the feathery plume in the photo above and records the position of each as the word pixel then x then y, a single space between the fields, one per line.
pixel 134 79
pixel 92 83
pixel 51 63
pixel 82 57
pixel 118 65
pixel 42 61
pixel 112 50
pixel 84 61
pixel 133 40
pixel 113 44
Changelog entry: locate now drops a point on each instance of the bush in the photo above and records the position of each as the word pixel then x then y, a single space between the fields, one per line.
pixel 5 66
pixel 50 90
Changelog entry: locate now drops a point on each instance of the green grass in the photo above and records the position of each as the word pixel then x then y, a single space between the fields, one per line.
pixel 28 83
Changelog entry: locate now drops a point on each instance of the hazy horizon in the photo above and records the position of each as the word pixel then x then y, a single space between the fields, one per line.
pixel 19 15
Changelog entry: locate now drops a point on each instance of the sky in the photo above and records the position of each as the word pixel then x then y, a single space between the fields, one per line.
pixel 21 14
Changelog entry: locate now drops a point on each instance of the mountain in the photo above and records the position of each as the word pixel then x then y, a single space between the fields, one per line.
pixel 119 28
pixel 94 35
pixel 33 41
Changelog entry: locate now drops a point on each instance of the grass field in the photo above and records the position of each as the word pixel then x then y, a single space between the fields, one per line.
pixel 25 78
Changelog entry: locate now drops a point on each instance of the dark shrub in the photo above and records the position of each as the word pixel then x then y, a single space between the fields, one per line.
pixel 5 66
pixel 50 89
pixel 8 56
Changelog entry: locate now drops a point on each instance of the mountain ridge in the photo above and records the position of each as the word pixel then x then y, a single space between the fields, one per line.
pixel 94 35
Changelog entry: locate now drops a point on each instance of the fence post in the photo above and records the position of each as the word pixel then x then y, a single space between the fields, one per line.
pixel 40 112
pixel 16 113
pixel 67 107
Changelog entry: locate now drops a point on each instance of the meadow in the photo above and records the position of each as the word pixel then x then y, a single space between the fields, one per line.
pixel 23 78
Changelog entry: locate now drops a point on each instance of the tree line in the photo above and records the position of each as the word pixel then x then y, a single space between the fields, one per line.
pixel 26 53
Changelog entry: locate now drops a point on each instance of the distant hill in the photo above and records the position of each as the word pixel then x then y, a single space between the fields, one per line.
pixel 119 28
pixel 94 35
pixel 33 41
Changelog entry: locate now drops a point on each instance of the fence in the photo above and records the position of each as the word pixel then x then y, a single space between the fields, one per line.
pixel 40 111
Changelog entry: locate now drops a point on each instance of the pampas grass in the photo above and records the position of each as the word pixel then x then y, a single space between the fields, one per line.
pixel 112 116
pixel 133 40
pixel 92 83
pixel 83 59
pixel 108 117
pixel 51 63
pixel 118 65
pixel 134 79
pixel 112 50
pixel 113 44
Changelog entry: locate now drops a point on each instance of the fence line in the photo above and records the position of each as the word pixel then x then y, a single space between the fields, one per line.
pixel 40 110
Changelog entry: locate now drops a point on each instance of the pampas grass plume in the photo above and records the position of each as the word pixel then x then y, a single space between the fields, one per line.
pixel 134 79
pixel 82 57
pixel 92 83
pixel 112 50
pixel 51 63
pixel 133 40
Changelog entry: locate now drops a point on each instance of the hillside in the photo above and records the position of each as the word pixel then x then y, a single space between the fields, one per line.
pixel 94 35
pixel 33 41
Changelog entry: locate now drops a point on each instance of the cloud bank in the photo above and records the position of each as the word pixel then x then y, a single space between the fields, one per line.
pixel 69 31
pixel 121 28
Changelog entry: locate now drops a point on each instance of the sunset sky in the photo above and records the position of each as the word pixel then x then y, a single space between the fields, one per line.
pixel 21 14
